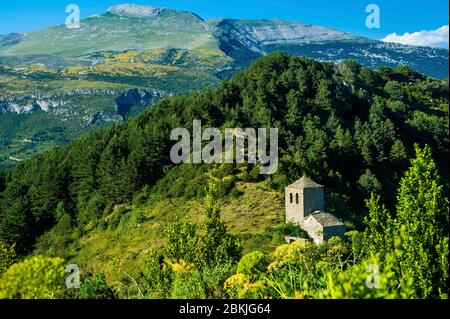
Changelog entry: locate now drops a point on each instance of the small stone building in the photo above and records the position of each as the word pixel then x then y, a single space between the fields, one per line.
pixel 305 205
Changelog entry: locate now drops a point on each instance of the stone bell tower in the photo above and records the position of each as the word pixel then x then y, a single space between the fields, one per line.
pixel 303 197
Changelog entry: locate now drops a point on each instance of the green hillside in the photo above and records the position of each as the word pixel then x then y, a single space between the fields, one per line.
pixel 117 33
pixel 122 240
pixel 113 202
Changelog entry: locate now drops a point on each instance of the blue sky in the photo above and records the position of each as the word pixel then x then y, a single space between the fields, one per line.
pixel 396 16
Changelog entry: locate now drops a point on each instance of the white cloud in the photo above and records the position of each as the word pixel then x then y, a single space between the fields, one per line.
pixel 432 38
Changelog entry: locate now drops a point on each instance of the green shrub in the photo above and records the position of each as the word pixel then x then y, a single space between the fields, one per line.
pixel 214 278
pixel 56 242
pixel 136 218
pixel 252 263
pixel 121 216
pixel 181 238
pixel 255 174
pixel 241 286
pixel 236 193
pixel 93 210
pixel 142 196
pixel 278 233
pixel 177 189
pixel 156 279
pixel 102 224
pixel 188 285
pixel 226 185
pixel 95 287
pixel 370 279
pixel 224 170
pixel 114 222
pixel 35 277
pixel 196 187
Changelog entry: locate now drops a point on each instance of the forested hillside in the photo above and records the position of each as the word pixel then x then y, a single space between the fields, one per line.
pixel 350 128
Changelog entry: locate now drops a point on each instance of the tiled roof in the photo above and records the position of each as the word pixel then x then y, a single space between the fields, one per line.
pixel 326 219
pixel 304 182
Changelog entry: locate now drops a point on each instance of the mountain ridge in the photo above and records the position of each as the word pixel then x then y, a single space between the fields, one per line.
pixel 136 10
pixel 162 27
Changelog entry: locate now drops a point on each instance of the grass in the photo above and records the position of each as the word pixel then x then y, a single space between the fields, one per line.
pixel 125 248
pixel 126 68
pixel 115 33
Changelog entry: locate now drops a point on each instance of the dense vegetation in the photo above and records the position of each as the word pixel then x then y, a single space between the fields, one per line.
pixel 352 129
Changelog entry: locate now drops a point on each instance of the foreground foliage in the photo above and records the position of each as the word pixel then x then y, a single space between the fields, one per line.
pixel 380 262
pixel 35 277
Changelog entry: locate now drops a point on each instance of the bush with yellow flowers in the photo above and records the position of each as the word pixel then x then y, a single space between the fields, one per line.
pixel 179 265
pixel 251 263
pixel 34 278
pixel 241 286
pixel 289 252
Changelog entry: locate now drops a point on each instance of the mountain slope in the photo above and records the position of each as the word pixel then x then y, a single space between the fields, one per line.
pixel 258 35
pixel 47 74
pixel 117 31
pixel 246 39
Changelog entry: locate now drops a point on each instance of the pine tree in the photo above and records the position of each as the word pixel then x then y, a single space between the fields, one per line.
pixel 216 244
pixel 379 232
pixel 17 225
pixel 294 111
pixel 422 212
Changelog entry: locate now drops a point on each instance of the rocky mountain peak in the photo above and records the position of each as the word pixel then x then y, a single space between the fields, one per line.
pixel 134 10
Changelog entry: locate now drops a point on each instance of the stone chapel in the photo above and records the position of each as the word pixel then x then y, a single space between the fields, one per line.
pixel 305 205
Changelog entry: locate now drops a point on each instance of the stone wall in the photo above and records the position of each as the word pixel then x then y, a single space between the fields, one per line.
pixel 314 230
pixel 294 211
pixel 309 200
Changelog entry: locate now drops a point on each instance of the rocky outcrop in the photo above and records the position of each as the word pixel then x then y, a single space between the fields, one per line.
pixel 10 39
pixel 100 118
pixel 267 32
pixel 130 98
pixel 133 10
pixel 29 104
pixel 254 35
pixel 45 102
pixel 125 100
pixel 15 107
